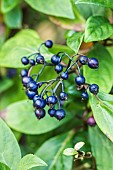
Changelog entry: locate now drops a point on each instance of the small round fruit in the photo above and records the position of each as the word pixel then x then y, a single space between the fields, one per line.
pixel 51 100
pixel 40 113
pixel 26 80
pixel 25 60
pixel 40 59
pixel 91 121
pixel 93 63
pixel 24 73
pixel 83 60
pixel 55 59
pixel 40 103
pixel 58 68
pixel 31 94
pixel 60 114
pixel 35 98
pixel 32 86
pixel 84 95
pixel 64 75
pixel 32 62
pixel 80 80
pixel 94 88
pixel 48 43
pixel 52 112
pixel 63 96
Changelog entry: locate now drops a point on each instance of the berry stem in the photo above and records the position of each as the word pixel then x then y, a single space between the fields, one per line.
pixel 32 55
pixel 56 87
pixel 40 47
pixel 44 89
pixel 40 71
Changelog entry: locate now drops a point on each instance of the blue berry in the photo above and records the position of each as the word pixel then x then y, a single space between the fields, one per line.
pixel 32 86
pixel 55 59
pixel 24 73
pixel 83 60
pixel 31 94
pixel 84 95
pixel 40 59
pixel 32 62
pixel 35 98
pixel 93 63
pixel 64 75
pixel 51 100
pixel 52 112
pixel 58 68
pixel 40 113
pixel 94 88
pixel 40 103
pixel 91 121
pixel 80 80
pixel 48 43
pixel 63 96
pixel 60 114
pixel 25 60
pixel 26 80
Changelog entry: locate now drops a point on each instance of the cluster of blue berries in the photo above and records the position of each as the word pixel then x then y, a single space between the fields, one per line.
pixel 49 93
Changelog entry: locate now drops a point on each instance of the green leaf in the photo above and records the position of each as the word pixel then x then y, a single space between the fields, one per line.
pixel 29 161
pixel 16 14
pixel 5 84
pixel 10 153
pixel 75 41
pixel 54 156
pixel 70 152
pixel 103 75
pixel 97 28
pixel 88 10
pixel 105 3
pixel 55 8
pixel 7 5
pixel 24 118
pixel 3 167
pixel 102 149
pixel 103 113
pixel 23 43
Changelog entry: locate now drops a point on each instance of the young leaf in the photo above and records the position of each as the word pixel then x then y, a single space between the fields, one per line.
pixel 105 3
pixel 10 153
pixel 103 75
pixel 70 152
pixel 102 149
pixel 103 113
pixel 16 14
pixel 25 117
pixel 4 167
pixel 52 152
pixel 75 41
pixel 55 8
pixel 7 5
pixel 97 28
pixel 29 161
pixel 79 145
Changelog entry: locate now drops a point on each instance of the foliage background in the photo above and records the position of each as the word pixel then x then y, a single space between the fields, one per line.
pixel 74 25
